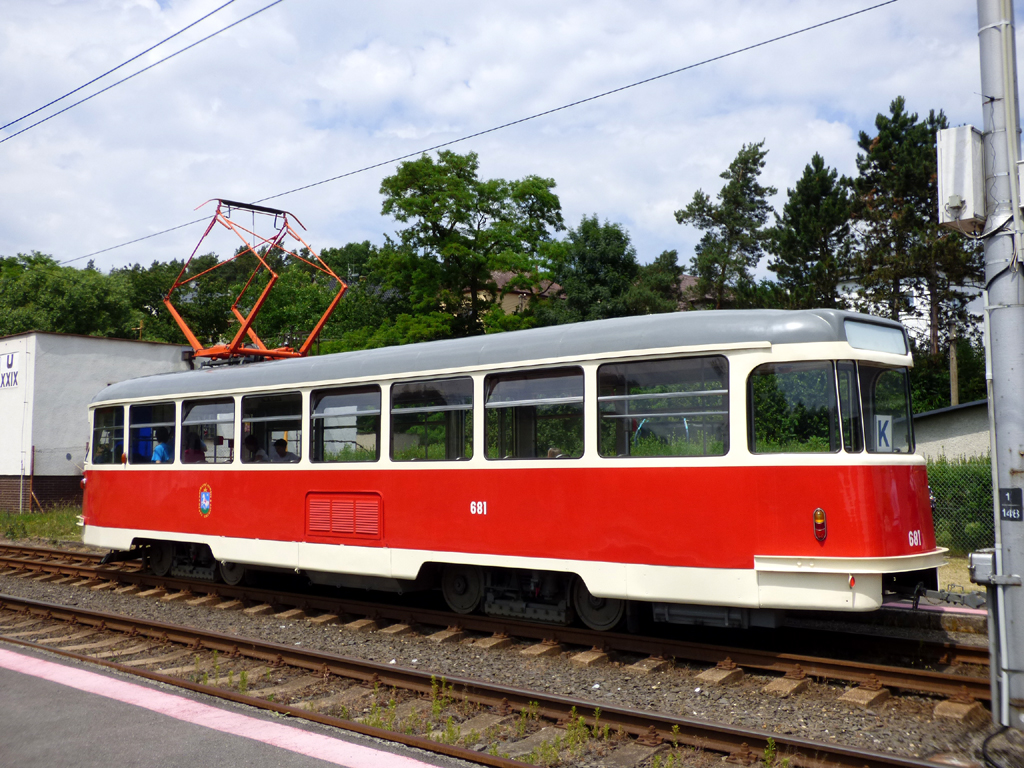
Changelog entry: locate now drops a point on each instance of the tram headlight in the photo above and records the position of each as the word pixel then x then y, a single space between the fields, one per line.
pixel 820 525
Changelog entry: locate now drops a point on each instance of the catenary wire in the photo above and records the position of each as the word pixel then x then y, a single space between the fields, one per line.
pixel 517 122
pixel 144 69
pixel 119 66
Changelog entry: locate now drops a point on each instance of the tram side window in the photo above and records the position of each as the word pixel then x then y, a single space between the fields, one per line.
pixel 107 435
pixel 345 424
pixel 272 428
pixel 534 414
pixel 888 426
pixel 432 420
pixel 793 408
pixel 151 433
pixel 676 407
pixel 207 431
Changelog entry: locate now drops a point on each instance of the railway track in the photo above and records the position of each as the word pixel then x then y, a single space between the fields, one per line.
pixel 403 705
pixel 84 569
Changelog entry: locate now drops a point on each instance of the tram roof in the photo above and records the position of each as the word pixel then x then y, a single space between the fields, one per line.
pixel 618 335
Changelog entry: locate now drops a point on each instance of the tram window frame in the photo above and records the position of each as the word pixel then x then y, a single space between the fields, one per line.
pixel 869 375
pixel 521 418
pixel 616 392
pixel 143 435
pixel 437 406
pixel 115 443
pixel 850 414
pixel 365 413
pixel 266 415
pixel 222 433
pixel 792 445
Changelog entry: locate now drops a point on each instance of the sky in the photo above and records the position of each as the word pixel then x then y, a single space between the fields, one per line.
pixel 312 89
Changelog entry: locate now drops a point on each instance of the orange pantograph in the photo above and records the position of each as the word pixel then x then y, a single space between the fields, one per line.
pixel 257 246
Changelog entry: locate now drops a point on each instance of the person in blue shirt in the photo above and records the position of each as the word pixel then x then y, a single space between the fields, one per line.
pixel 163 453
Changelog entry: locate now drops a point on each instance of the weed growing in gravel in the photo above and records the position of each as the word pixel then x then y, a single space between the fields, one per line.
pixel 546 754
pixel 243 682
pixel 770 758
pixel 231 678
pixel 440 696
pixel 576 732
pixel 197 668
pixel 343 713
pixel 531 712
pixel 452 733
pixel 216 666
pixel 206 678
pixel 671 761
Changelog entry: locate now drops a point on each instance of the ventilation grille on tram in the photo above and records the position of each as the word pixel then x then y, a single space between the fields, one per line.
pixel 348 515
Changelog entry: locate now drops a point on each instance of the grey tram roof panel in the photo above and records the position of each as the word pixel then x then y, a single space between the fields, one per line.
pixel 624 334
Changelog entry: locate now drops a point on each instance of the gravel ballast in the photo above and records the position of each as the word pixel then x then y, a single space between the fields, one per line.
pixel 902 725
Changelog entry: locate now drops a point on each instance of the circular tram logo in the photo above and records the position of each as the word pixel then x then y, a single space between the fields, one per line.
pixel 205 500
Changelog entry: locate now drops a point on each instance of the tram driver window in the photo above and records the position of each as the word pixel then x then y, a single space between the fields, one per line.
pixel 888 426
pixel 345 424
pixel 676 407
pixel 534 414
pixel 151 433
pixel 432 420
pixel 107 435
pixel 207 431
pixel 272 428
pixel 793 408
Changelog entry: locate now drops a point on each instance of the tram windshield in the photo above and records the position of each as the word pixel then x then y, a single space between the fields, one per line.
pixel 823 407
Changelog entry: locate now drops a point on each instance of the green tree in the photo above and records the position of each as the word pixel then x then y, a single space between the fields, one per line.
pixel 734 233
pixel 596 267
pixel 461 230
pixel 656 289
pixel 902 249
pixel 810 242
pixel 36 293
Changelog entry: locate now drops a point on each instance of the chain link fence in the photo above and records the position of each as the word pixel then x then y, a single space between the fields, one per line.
pixel 962 503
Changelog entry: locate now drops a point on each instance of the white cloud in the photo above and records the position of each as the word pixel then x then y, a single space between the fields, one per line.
pixel 310 90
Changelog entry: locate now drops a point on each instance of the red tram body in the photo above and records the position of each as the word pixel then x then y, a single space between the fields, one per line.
pixel 719 466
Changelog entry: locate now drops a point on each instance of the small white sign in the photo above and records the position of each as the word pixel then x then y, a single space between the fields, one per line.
pixel 10 375
pixel 883 434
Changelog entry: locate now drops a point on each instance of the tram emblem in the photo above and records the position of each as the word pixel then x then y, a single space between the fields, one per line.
pixel 205 500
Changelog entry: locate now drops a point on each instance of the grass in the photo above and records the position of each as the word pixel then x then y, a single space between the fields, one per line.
pixel 54 525
pixel 955 574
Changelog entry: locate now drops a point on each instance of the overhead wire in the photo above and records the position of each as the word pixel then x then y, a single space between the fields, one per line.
pixel 144 69
pixel 519 121
pixel 119 66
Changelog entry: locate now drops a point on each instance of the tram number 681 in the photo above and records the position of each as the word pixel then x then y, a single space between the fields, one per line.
pixel 478 507
pixel 915 538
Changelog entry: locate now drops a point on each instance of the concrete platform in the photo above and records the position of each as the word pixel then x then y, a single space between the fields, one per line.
pixel 61 712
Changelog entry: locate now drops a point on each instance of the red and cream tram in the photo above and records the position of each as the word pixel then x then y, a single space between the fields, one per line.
pixel 719 466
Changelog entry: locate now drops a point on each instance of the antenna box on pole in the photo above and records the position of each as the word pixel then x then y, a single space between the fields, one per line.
pixel 961 165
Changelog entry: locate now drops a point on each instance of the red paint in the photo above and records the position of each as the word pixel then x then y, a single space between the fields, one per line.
pixel 700 517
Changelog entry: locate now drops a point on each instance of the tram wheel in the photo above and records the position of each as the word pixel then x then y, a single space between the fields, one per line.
pixel 600 613
pixel 161 557
pixel 231 574
pixel 462 587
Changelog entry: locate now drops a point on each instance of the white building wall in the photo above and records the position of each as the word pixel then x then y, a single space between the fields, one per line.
pixel 69 371
pixel 17 355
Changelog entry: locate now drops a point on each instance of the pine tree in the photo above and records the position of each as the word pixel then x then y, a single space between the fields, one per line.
pixel 810 243
pixel 734 233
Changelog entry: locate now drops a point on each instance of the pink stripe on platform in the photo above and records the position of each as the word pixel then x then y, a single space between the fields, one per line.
pixel 313 745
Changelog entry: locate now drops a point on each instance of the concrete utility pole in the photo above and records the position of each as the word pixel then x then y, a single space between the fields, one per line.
pixel 1005 307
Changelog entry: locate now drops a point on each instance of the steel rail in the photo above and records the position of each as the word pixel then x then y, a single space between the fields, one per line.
pixel 802 753
pixel 905 678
